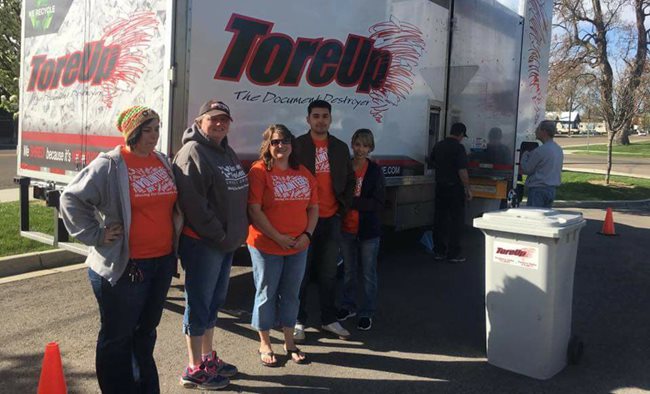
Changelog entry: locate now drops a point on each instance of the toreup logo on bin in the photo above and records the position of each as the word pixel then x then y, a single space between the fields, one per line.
pixel 516 255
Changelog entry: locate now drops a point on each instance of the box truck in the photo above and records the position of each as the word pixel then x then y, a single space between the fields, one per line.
pixel 406 69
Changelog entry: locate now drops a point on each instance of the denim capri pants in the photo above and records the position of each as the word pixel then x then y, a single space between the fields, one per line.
pixel 277 287
pixel 207 274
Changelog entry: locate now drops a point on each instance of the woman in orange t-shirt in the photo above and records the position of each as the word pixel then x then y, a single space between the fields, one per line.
pixel 132 254
pixel 283 210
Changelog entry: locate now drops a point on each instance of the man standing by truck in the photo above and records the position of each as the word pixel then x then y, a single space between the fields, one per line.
pixel 452 190
pixel 543 165
pixel 328 158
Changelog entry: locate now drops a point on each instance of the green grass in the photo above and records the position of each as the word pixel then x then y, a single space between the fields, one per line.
pixel 590 187
pixel 636 149
pixel 40 219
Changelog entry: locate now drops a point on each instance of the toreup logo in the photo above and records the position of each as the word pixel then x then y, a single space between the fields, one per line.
pixel 513 252
pixel 95 63
pixel 380 65
pixel 271 58
pixel 114 63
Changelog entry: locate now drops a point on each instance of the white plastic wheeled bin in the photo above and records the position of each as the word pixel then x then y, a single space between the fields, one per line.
pixel 530 257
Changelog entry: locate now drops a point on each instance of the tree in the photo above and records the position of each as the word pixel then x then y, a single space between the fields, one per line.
pixel 9 54
pixel 592 34
pixel 571 89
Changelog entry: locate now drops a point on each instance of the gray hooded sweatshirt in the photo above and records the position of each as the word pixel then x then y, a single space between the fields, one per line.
pixel 212 190
pixel 97 197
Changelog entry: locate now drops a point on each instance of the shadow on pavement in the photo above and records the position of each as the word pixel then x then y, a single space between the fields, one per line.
pixel 21 373
pixel 429 332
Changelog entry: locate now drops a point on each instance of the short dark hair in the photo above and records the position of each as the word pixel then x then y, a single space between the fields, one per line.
pixel 319 104
pixel 135 136
pixel 265 154
pixel 549 127
pixel 458 129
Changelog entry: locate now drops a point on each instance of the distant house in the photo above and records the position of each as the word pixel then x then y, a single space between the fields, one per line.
pixel 565 120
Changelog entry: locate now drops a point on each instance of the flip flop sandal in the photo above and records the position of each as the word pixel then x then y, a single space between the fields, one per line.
pixel 268 354
pixel 297 352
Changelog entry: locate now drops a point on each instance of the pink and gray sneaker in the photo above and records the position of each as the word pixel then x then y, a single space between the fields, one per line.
pixel 216 366
pixel 202 380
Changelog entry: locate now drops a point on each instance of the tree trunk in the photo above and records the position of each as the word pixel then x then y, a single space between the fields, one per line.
pixel 623 137
pixel 610 140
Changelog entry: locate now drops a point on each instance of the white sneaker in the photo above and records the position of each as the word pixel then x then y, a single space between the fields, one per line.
pixel 337 329
pixel 299 333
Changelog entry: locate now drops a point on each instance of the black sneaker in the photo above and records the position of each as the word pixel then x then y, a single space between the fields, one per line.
pixel 457 259
pixel 365 323
pixel 439 256
pixel 344 314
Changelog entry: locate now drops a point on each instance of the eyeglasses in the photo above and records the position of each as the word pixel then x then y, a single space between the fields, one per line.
pixel 284 141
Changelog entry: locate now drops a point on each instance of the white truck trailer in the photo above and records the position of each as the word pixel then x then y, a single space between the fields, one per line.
pixel 406 69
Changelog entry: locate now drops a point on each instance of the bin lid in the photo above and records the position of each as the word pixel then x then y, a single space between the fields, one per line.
pixel 531 221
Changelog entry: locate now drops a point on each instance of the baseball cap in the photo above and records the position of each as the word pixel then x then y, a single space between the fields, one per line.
pixel 215 107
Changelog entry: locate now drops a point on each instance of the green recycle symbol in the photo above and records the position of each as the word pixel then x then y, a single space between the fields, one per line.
pixel 41 22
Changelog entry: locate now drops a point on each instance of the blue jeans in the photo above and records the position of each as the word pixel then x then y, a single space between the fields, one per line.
pixel 541 196
pixel 207 274
pixel 360 253
pixel 277 285
pixel 129 314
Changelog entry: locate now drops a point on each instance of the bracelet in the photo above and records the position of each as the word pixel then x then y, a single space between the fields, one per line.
pixel 308 234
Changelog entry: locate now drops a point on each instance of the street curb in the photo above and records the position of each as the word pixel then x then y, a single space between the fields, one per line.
pixel 619 204
pixel 603 172
pixel 28 262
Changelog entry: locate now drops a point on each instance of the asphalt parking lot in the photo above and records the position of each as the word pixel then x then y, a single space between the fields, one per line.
pixel 428 336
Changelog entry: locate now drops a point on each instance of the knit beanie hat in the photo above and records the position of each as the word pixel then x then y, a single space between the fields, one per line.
pixel 132 117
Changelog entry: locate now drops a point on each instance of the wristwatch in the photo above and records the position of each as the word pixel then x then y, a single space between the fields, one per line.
pixel 308 234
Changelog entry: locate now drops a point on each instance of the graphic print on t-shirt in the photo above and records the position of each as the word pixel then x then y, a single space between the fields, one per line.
pixel 322 160
pixel 357 186
pixel 290 187
pixel 151 181
pixel 235 176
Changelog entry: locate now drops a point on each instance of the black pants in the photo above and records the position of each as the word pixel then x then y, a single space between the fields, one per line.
pixel 321 266
pixel 448 219
pixel 129 313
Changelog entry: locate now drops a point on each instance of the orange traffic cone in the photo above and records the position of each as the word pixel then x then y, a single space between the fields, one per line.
pixel 608 225
pixel 52 380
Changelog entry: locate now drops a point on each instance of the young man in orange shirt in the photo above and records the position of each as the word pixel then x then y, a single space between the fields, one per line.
pixel 328 158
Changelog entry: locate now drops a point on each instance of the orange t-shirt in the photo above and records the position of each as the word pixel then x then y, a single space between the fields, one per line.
pixel 327 204
pixel 153 194
pixel 284 196
pixel 351 220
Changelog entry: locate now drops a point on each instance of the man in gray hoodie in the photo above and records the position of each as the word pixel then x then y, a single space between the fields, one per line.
pixel 212 193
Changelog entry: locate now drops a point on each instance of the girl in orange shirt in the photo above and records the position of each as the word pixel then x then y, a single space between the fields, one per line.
pixel 283 211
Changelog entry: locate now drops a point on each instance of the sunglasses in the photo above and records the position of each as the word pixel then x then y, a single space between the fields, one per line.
pixel 284 141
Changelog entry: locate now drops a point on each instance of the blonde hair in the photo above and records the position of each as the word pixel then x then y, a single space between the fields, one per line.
pixel 365 137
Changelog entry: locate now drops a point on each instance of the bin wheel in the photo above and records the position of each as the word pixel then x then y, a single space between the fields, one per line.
pixel 575 350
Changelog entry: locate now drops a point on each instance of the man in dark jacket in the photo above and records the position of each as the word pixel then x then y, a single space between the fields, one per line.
pixel 328 158
pixel 452 190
